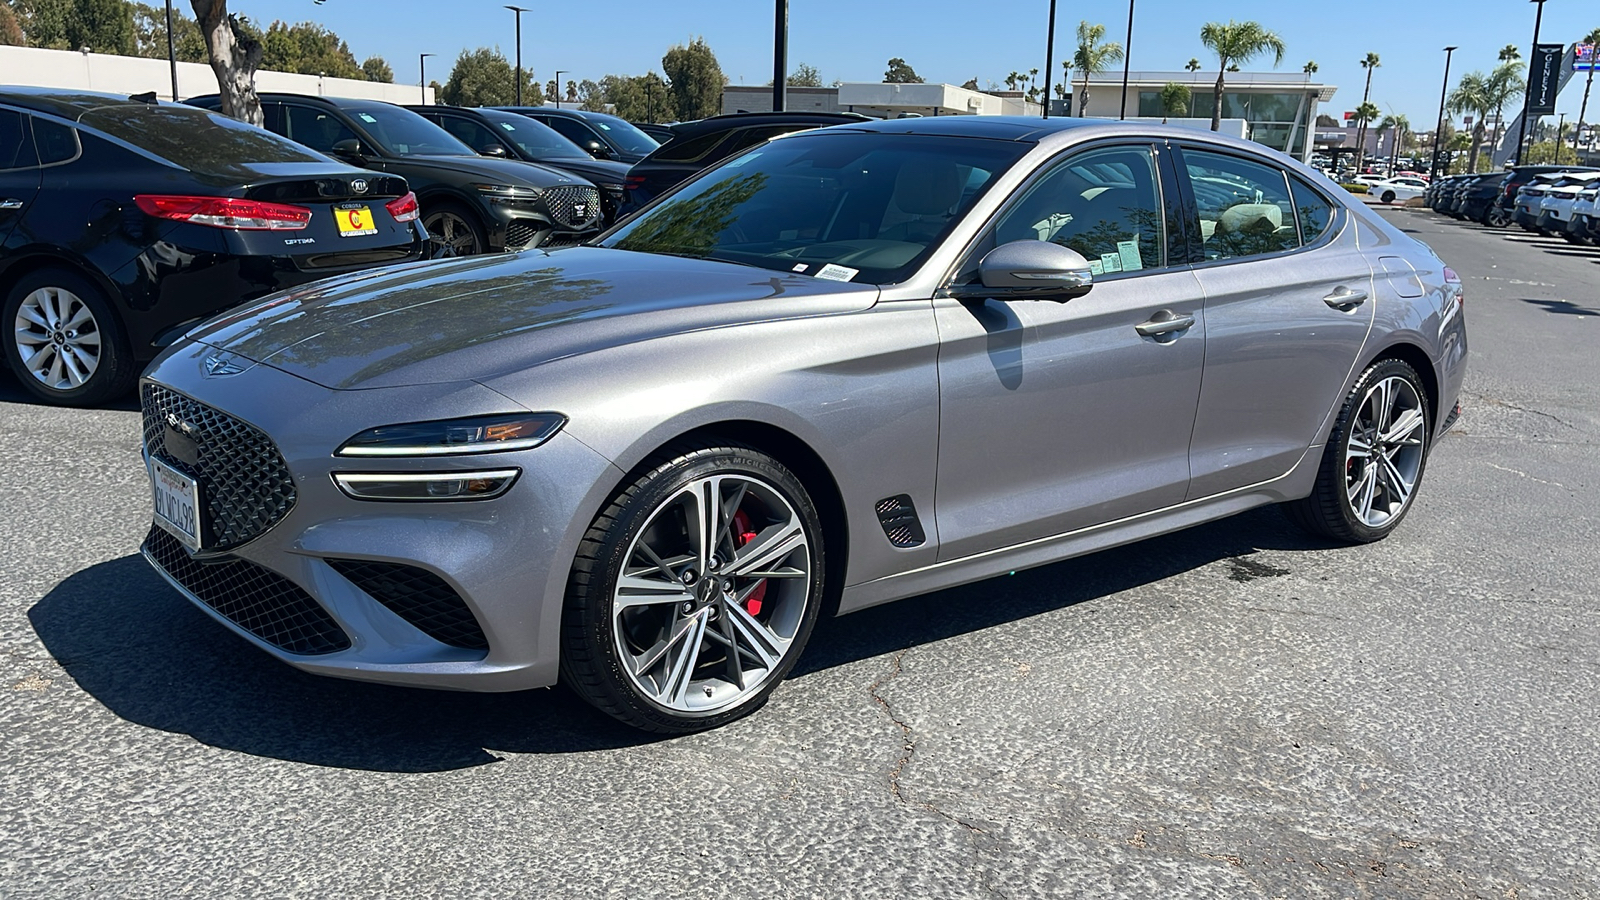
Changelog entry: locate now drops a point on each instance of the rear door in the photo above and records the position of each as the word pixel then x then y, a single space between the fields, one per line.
pixel 19 171
pixel 1289 300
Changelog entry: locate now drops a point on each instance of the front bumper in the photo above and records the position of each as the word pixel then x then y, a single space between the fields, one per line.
pixel 507 559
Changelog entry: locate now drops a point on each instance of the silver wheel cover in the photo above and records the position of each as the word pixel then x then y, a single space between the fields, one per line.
pixel 711 594
pixel 57 338
pixel 1383 456
pixel 449 231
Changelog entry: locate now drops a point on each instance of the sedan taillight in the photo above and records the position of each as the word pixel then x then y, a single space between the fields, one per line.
pixel 633 182
pixel 404 209
pixel 225 212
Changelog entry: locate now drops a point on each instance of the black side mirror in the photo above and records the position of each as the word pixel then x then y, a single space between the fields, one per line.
pixel 598 150
pixel 1029 270
pixel 348 147
pixel 494 150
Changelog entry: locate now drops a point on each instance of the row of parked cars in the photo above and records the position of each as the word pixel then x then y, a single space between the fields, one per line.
pixel 127 221
pixel 1557 201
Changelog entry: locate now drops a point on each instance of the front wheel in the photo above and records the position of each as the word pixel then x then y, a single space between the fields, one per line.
pixel 64 341
pixel 453 231
pixel 694 591
pixel 1388 197
pixel 1374 459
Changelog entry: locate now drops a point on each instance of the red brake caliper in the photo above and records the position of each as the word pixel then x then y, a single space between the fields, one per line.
pixel 741 527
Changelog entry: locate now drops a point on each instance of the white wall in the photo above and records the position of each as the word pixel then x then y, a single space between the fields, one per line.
pixel 132 75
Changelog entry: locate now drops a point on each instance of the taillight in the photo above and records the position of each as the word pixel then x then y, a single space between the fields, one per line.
pixel 1450 277
pixel 225 212
pixel 404 209
pixel 632 182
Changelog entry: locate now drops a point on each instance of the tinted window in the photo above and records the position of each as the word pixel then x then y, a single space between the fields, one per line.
pixel 1315 213
pixel 56 142
pixel 623 134
pixel 690 151
pixel 316 128
pixel 536 139
pixel 1245 208
pixel 16 151
pixel 404 133
pixel 572 130
pixel 469 132
pixel 1105 204
pixel 845 206
pixel 193 138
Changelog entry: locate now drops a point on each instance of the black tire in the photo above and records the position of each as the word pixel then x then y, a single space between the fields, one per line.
pixel 1388 197
pixel 1329 511
pixel 591 663
pixel 115 369
pixel 442 218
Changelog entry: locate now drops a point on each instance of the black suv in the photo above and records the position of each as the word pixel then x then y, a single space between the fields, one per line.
pixel 126 221
pixel 700 145
pixel 469 203
pixel 600 135
pixel 495 132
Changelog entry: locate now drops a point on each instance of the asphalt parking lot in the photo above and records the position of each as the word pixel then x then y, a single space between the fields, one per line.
pixel 1232 711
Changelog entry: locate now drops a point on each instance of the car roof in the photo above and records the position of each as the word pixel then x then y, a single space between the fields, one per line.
pixel 68 104
pixel 732 121
pixel 336 102
pixel 554 111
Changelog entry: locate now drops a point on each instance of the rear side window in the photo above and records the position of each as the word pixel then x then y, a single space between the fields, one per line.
pixel 690 151
pixel 57 143
pixel 16 151
pixel 1314 212
pixel 316 128
pixel 197 139
pixel 1245 208
pixel 576 132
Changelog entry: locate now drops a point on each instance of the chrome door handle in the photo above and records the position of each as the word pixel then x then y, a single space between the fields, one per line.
pixel 1165 322
pixel 9 203
pixel 1344 299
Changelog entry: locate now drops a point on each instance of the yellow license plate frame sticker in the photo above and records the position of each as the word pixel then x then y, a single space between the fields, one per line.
pixel 355 220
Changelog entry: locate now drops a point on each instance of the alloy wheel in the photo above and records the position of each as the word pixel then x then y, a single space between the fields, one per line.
pixel 712 593
pixel 1383 457
pixel 451 234
pixel 58 338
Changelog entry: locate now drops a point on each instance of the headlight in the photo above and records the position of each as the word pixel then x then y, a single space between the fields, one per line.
pixel 464 485
pixel 450 437
pixel 508 191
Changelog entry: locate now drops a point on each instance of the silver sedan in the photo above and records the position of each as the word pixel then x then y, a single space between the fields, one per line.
pixel 848 366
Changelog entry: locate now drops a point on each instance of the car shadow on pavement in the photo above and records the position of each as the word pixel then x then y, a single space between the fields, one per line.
pixel 151 658
pixel 1561 307
pixel 12 391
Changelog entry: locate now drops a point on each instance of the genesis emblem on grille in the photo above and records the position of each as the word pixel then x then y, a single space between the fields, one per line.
pixel 220 364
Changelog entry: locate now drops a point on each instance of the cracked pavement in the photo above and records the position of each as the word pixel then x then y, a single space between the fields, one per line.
pixel 1231 711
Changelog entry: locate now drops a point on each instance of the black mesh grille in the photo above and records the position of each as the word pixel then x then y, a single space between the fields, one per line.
pixel 245 484
pixel 261 602
pixel 519 234
pixel 898 516
pixel 418 596
pixel 573 208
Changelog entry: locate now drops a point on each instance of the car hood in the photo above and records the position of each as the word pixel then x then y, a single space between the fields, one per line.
pixel 486 316
pixel 600 171
pixel 496 171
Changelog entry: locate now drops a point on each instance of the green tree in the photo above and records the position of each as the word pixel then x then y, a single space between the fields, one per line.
pixel 900 72
pixel 1310 68
pixel 1192 65
pixel 376 68
pixel 1593 40
pixel 1399 128
pixel 150 34
pixel 103 26
pixel 1091 58
pixel 1237 43
pixel 44 22
pixel 483 77
pixel 695 79
pixel 638 98
pixel 1473 94
pixel 1175 100
pixel 11 29
pixel 1368 62
pixel 1505 83
pixel 804 76
pixel 309 49
pixel 1509 53
pixel 590 96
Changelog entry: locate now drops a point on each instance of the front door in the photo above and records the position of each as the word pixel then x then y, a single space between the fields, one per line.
pixel 1057 416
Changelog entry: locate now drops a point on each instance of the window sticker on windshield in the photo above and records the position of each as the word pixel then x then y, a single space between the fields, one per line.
pixel 747 158
pixel 800 267
pixel 1095 268
pixel 831 272
pixel 1110 262
pixel 1131 260
pixel 508 126
pixel 367 117
pixel 603 125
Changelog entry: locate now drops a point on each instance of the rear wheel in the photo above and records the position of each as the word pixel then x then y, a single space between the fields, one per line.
pixel 694 592
pixel 1374 459
pixel 1388 197
pixel 453 230
pixel 64 342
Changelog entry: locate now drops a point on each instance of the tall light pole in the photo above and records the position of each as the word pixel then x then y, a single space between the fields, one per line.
pixel 1527 94
pixel 422 74
pixel 518 11
pixel 1127 58
pixel 1049 57
pixel 1438 132
pixel 559 73
pixel 172 54
pixel 780 54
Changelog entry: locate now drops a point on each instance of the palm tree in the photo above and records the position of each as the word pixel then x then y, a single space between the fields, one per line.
pixel 1193 64
pixel 1310 67
pixel 1091 57
pixel 1236 42
pixel 1368 62
pixel 1505 83
pixel 1399 127
pixel 1473 94
pixel 1510 52
pixel 1174 101
pixel 1593 40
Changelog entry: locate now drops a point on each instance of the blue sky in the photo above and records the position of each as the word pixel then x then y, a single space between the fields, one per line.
pixel 953 41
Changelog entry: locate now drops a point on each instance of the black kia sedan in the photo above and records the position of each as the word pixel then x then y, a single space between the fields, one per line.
pixel 494 132
pixel 470 203
pixel 126 221
pixel 600 135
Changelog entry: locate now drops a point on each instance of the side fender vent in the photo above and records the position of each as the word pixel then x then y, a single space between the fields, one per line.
pixel 898 516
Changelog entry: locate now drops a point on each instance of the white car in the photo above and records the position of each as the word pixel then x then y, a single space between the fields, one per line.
pixel 1369 179
pixel 1403 188
pixel 1585 222
pixel 1555 207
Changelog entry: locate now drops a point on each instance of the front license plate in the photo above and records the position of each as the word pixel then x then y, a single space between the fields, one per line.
pixel 355 220
pixel 177 502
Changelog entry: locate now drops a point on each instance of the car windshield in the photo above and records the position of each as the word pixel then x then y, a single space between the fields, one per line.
pixel 536 139
pixel 623 134
pixel 846 206
pixel 196 139
pixel 404 133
